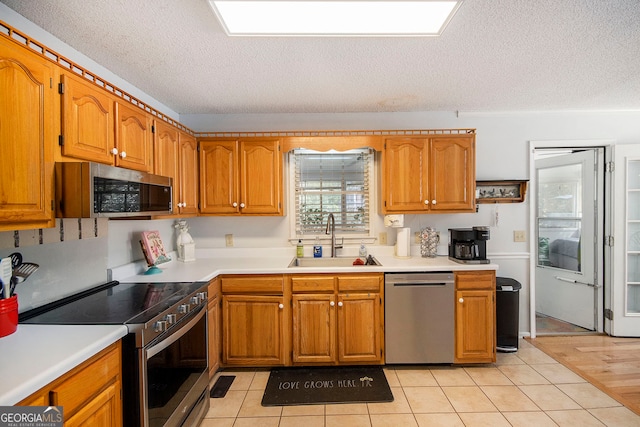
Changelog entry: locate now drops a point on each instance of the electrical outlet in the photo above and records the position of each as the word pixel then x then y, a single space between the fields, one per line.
pixel 228 238
pixel 416 237
pixel 382 238
pixel 519 236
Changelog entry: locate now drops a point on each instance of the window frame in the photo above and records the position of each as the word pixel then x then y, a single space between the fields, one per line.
pixel 348 238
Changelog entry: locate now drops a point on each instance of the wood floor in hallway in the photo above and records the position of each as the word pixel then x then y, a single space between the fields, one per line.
pixel 611 364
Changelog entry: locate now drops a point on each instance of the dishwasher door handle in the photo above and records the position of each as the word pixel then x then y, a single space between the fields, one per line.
pixel 421 284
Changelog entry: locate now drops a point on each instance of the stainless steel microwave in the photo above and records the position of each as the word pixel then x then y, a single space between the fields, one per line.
pixel 90 190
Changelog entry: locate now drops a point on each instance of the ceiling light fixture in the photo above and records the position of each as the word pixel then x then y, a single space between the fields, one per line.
pixel 334 17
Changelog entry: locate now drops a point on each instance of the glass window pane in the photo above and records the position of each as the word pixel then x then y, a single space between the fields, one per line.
pixel 634 206
pixel 633 168
pixel 560 191
pixel 633 299
pixel 559 243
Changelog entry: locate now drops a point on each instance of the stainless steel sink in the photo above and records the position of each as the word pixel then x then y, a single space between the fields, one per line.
pixel 329 262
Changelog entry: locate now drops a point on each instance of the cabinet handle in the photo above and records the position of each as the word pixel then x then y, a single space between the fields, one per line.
pixel 179 205
pixel 461 300
pixel 433 202
pixel 426 202
pixel 332 303
pixel 114 151
pixel 242 205
pixel 280 306
pixel 235 205
pixel 123 154
pixel 340 304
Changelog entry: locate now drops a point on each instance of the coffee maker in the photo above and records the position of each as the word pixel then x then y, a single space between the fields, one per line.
pixel 469 245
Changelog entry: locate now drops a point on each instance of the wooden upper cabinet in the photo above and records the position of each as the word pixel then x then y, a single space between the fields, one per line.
pixel 219 177
pixel 87 121
pixel 261 177
pixel 165 159
pixel 405 174
pixel 27 121
pixel 188 175
pixel 134 137
pixel 452 174
pixel 429 174
pixel 241 177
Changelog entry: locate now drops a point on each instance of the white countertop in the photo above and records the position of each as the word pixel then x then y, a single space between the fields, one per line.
pixel 35 355
pixel 213 262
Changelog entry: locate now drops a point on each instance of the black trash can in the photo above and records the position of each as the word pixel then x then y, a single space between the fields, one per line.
pixel 507 313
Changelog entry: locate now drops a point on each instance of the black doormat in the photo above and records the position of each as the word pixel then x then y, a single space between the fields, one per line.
pixel 321 385
pixel 221 386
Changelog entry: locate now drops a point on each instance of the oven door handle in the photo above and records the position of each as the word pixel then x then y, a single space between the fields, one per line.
pixel 175 336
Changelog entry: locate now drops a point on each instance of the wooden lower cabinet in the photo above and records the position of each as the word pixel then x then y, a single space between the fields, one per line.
pixel 214 326
pixel 90 394
pixel 475 317
pixel 337 319
pixel 253 321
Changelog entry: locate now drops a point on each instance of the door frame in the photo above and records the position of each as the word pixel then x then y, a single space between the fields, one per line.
pixel 533 188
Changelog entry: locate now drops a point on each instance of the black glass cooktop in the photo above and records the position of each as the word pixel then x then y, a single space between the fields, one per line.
pixel 112 303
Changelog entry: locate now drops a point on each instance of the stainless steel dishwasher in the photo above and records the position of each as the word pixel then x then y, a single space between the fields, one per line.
pixel 419 317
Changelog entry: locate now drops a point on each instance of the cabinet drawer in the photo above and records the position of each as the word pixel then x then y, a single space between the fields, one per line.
pixel 475 279
pixel 312 284
pixel 360 283
pixel 272 285
pixel 74 391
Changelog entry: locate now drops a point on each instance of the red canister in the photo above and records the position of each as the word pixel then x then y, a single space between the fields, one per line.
pixel 8 315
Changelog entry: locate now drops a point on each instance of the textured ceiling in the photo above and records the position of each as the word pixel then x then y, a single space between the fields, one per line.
pixel 495 55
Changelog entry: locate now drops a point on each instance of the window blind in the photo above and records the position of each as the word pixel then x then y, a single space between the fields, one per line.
pixel 332 182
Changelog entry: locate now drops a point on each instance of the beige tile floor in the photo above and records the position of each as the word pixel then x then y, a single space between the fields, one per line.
pixel 527 388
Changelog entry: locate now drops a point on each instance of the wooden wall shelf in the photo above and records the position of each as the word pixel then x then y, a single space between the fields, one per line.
pixel 510 191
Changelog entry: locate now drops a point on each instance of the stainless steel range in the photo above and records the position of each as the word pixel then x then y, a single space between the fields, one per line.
pixel 165 367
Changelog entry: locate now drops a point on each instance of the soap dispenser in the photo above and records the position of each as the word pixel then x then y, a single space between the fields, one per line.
pixel 363 251
pixel 300 249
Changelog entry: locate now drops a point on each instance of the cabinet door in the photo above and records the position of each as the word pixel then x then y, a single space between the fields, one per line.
pixel 213 324
pixel 219 177
pixel 87 120
pixel 166 156
pixel 452 174
pixel 103 410
pixel 188 175
pixel 359 328
pixel 27 104
pixel 405 179
pixel 253 330
pixel 475 326
pixel 261 177
pixel 134 138
pixel 314 328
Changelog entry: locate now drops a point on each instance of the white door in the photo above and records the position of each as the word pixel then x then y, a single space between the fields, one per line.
pixel 567 232
pixel 625 300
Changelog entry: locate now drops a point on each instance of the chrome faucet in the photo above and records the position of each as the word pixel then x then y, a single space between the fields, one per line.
pixel 331 221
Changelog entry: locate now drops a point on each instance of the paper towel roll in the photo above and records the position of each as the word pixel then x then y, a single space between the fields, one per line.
pixel 403 242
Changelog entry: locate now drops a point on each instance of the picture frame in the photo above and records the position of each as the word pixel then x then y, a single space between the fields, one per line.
pixel 506 191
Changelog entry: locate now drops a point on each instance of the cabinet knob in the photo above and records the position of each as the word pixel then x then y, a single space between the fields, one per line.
pixel 426 202
pixel 123 154
pixel 242 205
pixel 235 205
pixel 114 151
pixel 332 303
pixel 280 306
pixel 461 300
pixel 433 202
pixel 340 304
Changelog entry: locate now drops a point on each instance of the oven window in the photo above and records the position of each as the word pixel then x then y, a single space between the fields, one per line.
pixel 173 372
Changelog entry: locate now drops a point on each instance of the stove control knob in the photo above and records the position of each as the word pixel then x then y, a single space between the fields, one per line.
pixel 194 300
pixel 184 308
pixel 160 326
pixel 171 318
pixel 202 296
